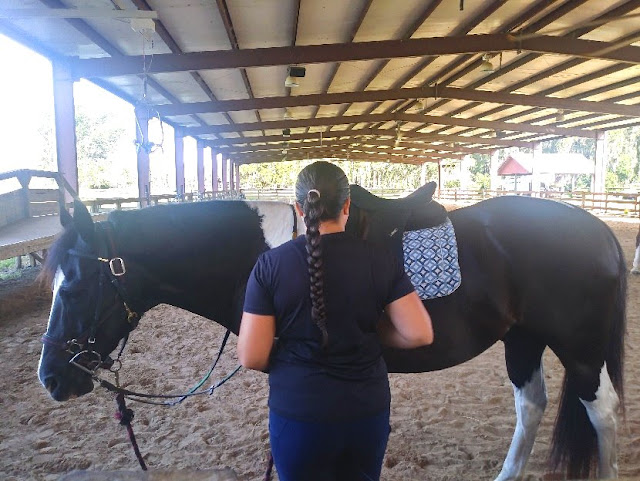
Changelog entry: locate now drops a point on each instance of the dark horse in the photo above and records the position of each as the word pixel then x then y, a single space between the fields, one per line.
pixel 535 273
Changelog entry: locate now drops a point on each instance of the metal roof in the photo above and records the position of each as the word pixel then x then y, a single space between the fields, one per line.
pixel 399 80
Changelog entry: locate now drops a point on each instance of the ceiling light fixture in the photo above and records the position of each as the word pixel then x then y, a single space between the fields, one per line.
pixel 486 65
pixel 560 116
pixel 293 75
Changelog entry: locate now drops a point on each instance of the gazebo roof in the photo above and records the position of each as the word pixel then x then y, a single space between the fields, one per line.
pixel 555 163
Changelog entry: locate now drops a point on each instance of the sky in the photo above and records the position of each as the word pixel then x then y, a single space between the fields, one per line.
pixel 26 100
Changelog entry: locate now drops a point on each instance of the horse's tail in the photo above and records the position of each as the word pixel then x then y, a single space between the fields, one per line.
pixel 574 443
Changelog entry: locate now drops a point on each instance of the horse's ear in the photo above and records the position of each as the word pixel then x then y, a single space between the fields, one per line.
pixel 65 218
pixel 83 222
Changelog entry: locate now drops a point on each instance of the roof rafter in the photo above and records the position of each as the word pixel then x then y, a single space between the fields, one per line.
pixel 441 120
pixel 309 54
pixel 358 134
pixel 409 93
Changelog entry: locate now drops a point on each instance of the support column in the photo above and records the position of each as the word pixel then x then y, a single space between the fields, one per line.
pixel 439 177
pixel 423 173
pixel 214 171
pixel 65 128
pixel 224 164
pixel 142 139
pixel 179 154
pixel 535 168
pixel 200 166
pixel 494 165
pixel 237 176
pixel 601 162
pixel 232 181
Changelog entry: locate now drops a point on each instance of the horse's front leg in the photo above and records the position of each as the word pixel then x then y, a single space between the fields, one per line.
pixel 524 365
pixel 603 413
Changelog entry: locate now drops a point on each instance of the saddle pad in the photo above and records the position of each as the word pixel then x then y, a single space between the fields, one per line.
pixel 431 260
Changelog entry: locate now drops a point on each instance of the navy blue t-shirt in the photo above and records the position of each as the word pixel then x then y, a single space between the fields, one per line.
pixel 349 378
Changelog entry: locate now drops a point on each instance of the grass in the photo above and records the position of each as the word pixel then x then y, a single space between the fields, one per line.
pixel 8 268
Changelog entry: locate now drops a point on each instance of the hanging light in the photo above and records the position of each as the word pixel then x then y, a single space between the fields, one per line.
pixel 293 74
pixel 287 114
pixel 560 116
pixel 486 65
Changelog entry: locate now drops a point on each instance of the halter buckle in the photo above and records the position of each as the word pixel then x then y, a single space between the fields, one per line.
pixel 117 266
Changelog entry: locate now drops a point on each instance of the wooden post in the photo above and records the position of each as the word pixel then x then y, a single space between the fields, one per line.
pixel 200 166
pixel 142 141
pixel 65 127
pixel 439 177
pixel 179 161
pixel 214 171
pixel 601 161
pixel 237 176
pixel 535 168
pixel 224 165
pixel 232 181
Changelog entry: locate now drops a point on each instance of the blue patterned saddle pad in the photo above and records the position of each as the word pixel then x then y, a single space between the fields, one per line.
pixel 431 260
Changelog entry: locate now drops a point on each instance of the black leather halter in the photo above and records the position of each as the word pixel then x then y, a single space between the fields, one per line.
pixel 112 269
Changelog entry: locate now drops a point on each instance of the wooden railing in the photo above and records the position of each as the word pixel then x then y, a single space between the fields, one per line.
pixel 619 203
pixel 28 202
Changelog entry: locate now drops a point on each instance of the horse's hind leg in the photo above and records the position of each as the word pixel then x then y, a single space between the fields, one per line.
pixel 523 354
pixel 603 412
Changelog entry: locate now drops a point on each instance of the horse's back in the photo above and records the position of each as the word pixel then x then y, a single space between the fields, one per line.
pixel 543 234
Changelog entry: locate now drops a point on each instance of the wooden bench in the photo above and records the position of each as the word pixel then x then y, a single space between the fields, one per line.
pixel 29 217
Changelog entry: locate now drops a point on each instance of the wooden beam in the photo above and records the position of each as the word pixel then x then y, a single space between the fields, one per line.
pixel 385 49
pixel 431 119
pixel 408 93
pixel 337 155
pixel 357 134
pixel 360 144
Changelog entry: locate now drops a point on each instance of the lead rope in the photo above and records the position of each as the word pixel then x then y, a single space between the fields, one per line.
pixel 125 416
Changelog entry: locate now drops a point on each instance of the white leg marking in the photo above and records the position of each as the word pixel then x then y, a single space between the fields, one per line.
pixel 531 401
pixel 636 262
pixel 277 221
pixel 603 414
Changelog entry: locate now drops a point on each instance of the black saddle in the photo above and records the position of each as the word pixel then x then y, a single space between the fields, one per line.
pixel 368 201
pixel 385 220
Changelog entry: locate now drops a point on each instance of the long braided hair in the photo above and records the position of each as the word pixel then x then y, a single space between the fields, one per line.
pixel 322 189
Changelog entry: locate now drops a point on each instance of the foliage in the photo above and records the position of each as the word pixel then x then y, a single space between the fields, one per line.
pixel 452 184
pixel 481 171
pixel 368 174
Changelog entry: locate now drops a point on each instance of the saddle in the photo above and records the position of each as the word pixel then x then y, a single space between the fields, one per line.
pixel 385 220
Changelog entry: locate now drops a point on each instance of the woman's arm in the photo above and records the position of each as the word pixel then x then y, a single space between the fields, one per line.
pixel 256 340
pixel 407 323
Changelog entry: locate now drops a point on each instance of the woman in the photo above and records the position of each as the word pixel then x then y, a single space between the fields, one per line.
pixel 322 296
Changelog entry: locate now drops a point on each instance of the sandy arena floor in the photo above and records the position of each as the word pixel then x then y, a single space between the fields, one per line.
pixel 450 425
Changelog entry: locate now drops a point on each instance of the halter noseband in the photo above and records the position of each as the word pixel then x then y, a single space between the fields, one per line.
pixel 81 348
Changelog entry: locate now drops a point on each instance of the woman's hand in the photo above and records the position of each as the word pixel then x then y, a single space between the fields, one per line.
pixel 407 323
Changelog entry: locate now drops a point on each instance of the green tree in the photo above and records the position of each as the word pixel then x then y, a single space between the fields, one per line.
pixel 481 171
pixel 95 140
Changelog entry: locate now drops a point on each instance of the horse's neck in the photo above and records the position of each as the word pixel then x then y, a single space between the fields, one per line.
pixel 204 268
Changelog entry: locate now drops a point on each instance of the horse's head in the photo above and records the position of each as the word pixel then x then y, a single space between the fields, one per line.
pixel 89 315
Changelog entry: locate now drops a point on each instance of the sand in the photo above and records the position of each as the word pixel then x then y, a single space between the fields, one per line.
pixel 449 425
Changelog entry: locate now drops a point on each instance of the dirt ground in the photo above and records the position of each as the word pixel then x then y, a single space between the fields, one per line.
pixel 450 425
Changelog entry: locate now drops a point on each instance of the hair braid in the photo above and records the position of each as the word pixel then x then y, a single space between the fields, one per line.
pixel 321 190
pixel 313 213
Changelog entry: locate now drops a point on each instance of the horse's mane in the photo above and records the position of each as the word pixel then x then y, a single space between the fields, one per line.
pixel 65 241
